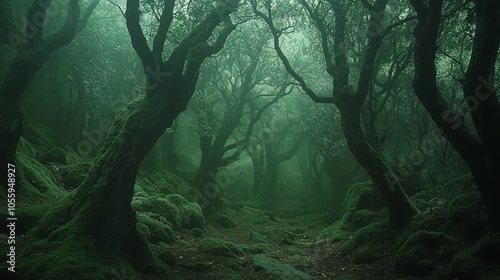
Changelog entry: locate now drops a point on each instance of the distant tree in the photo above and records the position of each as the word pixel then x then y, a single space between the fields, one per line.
pixel 32 47
pixel 348 98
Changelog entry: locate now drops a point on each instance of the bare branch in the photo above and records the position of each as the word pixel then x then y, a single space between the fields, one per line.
pixel 161 35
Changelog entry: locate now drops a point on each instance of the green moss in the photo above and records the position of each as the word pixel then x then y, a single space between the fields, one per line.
pixel 224 221
pixel 252 216
pixel 160 206
pixel 258 248
pixel 339 230
pixel 67 255
pixel 366 243
pixel 35 183
pixel 363 217
pixel 419 254
pixel 155 228
pixel 54 155
pixel 358 197
pixel 467 217
pixel 215 246
pixel 365 254
pixel 190 213
pixel 478 262
pixel 164 183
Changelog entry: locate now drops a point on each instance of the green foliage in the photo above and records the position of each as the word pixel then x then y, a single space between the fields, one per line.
pixel 218 247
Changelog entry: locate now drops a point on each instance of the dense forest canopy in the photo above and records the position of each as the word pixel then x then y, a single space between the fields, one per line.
pixel 141 137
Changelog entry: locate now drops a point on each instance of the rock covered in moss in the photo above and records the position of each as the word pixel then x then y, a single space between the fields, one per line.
pixel 418 255
pixel 467 217
pixel 358 197
pixel 218 247
pixel 272 266
pixel 365 246
pixel 337 231
pixel 478 262
pixel 155 228
pixel 190 213
pixel 224 221
pixel 160 206
pixel 363 217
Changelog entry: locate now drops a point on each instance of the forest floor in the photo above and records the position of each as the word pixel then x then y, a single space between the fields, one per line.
pixel 292 241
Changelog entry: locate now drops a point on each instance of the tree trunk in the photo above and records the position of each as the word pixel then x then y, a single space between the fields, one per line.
pixel 257 156
pixel 269 193
pixel 482 156
pixel 401 210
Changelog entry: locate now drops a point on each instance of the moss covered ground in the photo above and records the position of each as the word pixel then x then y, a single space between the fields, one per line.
pixel 449 238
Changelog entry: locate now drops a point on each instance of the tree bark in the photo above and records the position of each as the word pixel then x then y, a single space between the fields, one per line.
pixel 482 156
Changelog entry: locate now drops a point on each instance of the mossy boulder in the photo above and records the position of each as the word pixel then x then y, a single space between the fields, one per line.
pixel 164 183
pixel 478 262
pixel 358 197
pixel 190 213
pixel 467 217
pixel 365 246
pixel 420 253
pixel 273 267
pixel 224 221
pixel 252 216
pixel 363 217
pixel 339 230
pixel 160 206
pixel 155 228
pixel 259 248
pixel 218 247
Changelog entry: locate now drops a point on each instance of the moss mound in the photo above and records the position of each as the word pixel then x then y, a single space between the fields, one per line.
pixel 218 247
pixel 224 221
pixel 155 228
pixel 356 206
pixel 366 243
pixel 339 230
pixel 479 261
pixel 162 183
pixel 35 183
pixel 358 197
pixel 190 213
pixel 420 253
pixel 467 217
pixel 160 206
pixel 66 255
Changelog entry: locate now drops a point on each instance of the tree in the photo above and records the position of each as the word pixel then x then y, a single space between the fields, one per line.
pixel 349 100
pixel 481 152
pixel 100 206
pixel 32 51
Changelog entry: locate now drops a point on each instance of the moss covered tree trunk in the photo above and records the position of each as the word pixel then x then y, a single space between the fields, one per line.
pixel 349 101
pixel 100 207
